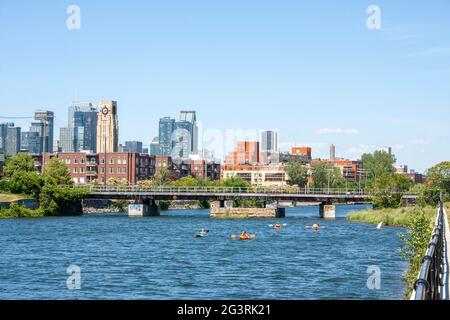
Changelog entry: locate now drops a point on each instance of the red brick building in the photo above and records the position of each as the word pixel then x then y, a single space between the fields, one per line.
pixel 246 152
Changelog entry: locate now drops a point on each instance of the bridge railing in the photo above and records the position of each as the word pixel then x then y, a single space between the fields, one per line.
pixel 219 189
pixel 430 276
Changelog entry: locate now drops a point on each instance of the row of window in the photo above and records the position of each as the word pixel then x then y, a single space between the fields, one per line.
pixel 102 161
pixel 102 170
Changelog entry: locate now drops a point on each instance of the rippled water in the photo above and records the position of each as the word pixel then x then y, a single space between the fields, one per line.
pixel 157 257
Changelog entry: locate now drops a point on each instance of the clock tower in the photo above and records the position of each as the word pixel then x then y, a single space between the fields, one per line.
pixel 107 127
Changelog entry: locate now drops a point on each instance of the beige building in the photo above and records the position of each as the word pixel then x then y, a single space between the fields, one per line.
pixel 257 175
pixel 107 127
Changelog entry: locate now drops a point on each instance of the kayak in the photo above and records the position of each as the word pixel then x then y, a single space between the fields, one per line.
pixel 243 238
pixel 199 235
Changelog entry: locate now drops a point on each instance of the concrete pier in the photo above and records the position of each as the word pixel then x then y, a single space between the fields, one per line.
pixel 222 209
pixel 327 211
pixel 143 209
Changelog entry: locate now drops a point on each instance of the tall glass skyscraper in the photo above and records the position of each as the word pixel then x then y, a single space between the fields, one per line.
pixel 47 118
pixel 269 146
pixel 166 127
pixel 81 132
pixel 191 117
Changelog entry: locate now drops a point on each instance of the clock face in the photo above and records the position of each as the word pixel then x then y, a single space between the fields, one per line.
pixel 105 111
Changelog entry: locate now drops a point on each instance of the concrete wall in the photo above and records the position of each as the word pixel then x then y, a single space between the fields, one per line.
pixel 218 212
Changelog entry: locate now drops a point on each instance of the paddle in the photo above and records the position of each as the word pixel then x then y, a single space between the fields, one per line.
pixel 284 225
pixel 310 227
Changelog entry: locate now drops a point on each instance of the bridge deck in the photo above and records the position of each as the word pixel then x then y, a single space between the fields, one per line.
pixel 227 193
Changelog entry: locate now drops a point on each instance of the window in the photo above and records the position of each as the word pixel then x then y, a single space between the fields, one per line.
pixel 67 161
pixel 102 170
pixel 111 161
pixel 124 161
pixel 118 170
pixel 82 161
pixel 111 170
pixel 102 161
pixel 81 170
pixel 124 170
pixel 75 160
pixel 75 170
pixel 119 161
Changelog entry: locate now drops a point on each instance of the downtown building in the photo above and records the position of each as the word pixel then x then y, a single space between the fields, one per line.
pixel 10 138
pixel 269 147
pixel 178 139
pixel 81 132
pixel 107 127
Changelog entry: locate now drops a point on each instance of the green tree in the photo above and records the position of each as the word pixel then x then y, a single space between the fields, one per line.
pixel 235 182
pixel 378 164
pixel 326 175
pixel 163 177
pixel 57 172
pixel 297 173
pixel 386 191
pixel 439 176
pixel 415 243
pixel 21 162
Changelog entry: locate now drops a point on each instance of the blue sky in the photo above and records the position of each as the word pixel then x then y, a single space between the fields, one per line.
pixel 311 69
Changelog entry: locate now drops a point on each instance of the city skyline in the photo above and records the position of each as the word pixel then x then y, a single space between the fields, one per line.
pixel 343 84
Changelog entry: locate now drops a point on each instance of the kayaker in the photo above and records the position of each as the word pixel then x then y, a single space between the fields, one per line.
pixel 315 227
pixel 244 235
pixel 278 226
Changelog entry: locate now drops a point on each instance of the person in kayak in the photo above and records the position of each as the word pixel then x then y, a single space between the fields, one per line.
pixel 244 235
pixel 277 226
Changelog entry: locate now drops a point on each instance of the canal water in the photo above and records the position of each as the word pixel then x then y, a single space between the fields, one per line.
pixel 157 257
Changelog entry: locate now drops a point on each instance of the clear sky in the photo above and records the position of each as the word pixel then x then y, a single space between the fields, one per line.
pixel 311 69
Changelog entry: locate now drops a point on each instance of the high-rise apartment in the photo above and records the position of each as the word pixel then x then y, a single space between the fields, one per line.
pixel 47 119
pixel 269 146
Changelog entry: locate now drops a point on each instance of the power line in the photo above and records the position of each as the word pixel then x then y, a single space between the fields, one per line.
pixel 12 118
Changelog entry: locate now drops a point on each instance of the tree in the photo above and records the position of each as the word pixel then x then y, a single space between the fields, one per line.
pixel 163 177
pixel 378 164
pixel 386 191
pixel 298 175
pixel 235 182
pixel 56 172
pixel 21 162
pixel 326 175
pixel 439 176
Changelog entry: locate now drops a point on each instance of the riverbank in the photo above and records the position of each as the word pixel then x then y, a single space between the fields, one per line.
pixel 398 217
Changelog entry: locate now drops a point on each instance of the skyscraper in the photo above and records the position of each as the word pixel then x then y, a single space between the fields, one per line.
pixel 154 147
pixel 81 132
pixel 4 135
pixel 107 127
pixel 13 140
pixel 30 142
pixel 332 152
pixel 166 127
pixel 269 146
pixel 47 119
pixel 182 140
pixel 190 116
pixel 133 146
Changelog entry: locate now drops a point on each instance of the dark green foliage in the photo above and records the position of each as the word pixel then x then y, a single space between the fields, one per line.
pixel 298 174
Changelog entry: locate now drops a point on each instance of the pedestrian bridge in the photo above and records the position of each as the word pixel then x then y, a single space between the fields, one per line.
pixel 222 196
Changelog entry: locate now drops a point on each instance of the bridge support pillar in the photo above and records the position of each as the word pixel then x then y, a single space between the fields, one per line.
pixel 327 210
pixel 143 208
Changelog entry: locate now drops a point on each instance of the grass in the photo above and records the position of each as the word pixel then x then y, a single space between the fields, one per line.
pixel 399 217
pixel 5 197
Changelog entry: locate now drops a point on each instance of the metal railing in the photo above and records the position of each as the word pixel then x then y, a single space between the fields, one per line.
pixel 430 276
pixel 222 189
